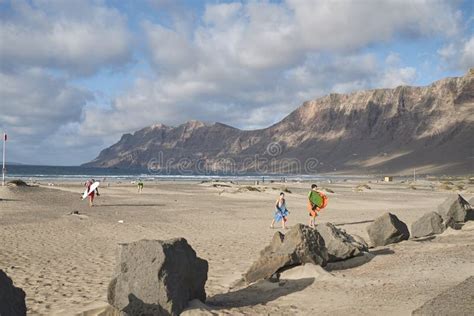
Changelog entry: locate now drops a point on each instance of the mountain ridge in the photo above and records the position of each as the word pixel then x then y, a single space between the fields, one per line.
pixel 369 131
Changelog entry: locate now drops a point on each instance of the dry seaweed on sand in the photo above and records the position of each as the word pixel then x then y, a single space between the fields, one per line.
pixel 221 185
pixel 328 190
pixel 445 187
pixel 17 183
pixel 250 188
pixel 362 187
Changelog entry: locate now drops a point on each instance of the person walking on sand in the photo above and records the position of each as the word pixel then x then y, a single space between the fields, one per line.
pixel 316 201
pixel 140 185
pixel 281 212
pixel 91 195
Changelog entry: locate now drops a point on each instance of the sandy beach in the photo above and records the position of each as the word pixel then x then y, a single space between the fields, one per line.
pixel 64 262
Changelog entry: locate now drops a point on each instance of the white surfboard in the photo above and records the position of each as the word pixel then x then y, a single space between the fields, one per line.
pixel 92 188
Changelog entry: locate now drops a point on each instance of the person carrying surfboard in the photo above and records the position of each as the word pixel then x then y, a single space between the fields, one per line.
pixel 281 212
pixel 316 201
pixel 91 193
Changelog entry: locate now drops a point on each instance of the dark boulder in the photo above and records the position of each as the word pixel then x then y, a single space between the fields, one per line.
pixel 301 244
pixel 12 299
pixel 155 277
pixel 387 229
pixel 429 224
pixel 457 208
pixel 340 245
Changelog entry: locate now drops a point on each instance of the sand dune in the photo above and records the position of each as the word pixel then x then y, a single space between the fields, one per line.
pixel 64 262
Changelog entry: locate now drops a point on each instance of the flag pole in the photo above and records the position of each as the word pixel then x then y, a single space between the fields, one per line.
pixel 3 160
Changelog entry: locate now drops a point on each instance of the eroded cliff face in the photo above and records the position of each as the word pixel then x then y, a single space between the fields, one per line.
pixel 384 130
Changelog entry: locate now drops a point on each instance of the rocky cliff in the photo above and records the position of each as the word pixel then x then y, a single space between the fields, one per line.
pixel 375 131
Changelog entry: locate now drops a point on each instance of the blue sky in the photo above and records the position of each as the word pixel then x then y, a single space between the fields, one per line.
pixel 77 74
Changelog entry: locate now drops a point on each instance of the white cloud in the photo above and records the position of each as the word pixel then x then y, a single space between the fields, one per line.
pixel 169 49
pixel 458 54
pixel 394 77
pixel 467 54
pixel 222 14
pixel 245 64
pixel 79 37
pixel 250 64
pixel 35 106
pixel 263 101
pixel 393 59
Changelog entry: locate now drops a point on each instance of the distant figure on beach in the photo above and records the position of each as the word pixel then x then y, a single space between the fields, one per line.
pixel 316 201
pixel 140 185
pixel 281 212
pixel 92 193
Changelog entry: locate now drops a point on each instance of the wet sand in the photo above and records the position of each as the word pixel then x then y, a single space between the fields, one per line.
pixel 64 262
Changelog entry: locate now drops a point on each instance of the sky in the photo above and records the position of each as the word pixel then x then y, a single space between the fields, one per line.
pixel 77 74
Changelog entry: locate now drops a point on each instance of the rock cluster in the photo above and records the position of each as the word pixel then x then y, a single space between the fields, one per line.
pixel 303 244
pixel 453 212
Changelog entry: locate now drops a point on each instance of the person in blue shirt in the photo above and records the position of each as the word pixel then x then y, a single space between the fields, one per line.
pixel 281 212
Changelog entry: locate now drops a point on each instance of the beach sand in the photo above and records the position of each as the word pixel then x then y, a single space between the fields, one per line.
pixel 64 262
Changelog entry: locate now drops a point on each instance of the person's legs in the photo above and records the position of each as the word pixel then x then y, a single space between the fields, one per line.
pixel 91 199
pixel 312 216
pixel 273 223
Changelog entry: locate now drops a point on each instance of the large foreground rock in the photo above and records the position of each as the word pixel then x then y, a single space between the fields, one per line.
pixel 458 300
pixel 457 208
pixel 155 277
pixel 340 245
pixel 429 224
pixel 301 244
pixel 12 299
pixel 387 229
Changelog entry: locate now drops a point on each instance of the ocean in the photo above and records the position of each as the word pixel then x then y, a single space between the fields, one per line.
pixel 76 173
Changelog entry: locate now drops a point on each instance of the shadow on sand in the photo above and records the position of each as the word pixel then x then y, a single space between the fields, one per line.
pixel 382 252
pixel 138 307
pixel 423 239
pixel 357 261
pixel 260 292
pixel 354 223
